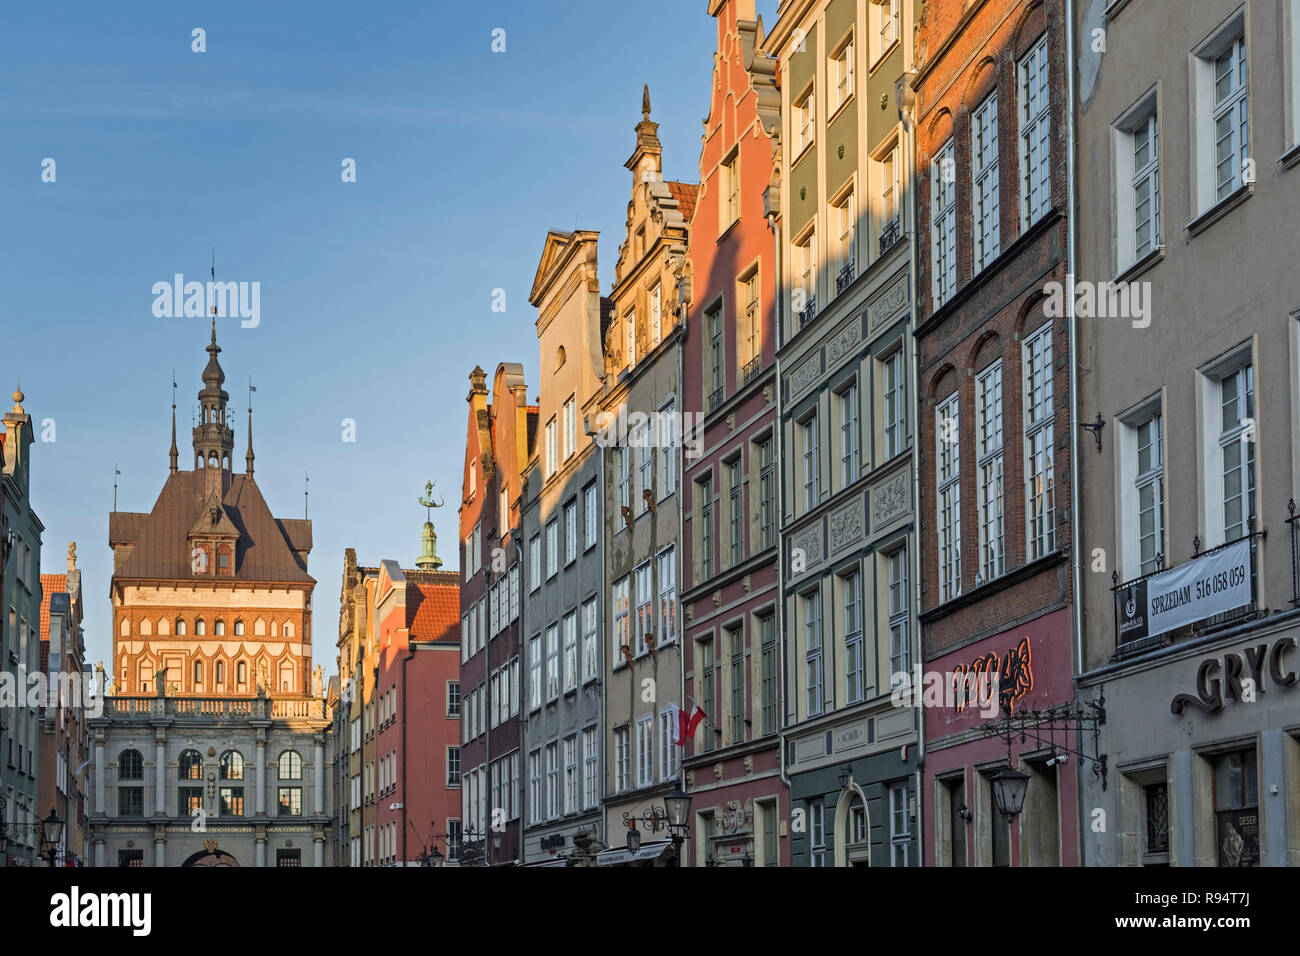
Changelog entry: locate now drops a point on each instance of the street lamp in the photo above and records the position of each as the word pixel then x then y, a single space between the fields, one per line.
pixel 633 837
pixel 678 803
pixel 1009 790
pixel 51 833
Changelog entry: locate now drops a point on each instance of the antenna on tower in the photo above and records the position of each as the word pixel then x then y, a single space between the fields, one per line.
pixel 306 480
pixel 116 472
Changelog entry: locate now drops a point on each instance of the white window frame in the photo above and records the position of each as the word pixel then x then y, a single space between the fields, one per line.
pixel 948 496
pixel 590 641
pixel 552 548
pixel 645 750
pixel 622 758
pixel 552 689
pixel 666 562
pixel 570 418
pixel 1035 134
pixel 985 205
pixel 570 627
pixel 810 608
pixel 840 73
pixel 850 584
pixel 893 403
pixel 804 120
pixel 898 611
pixel 810 452
pixel 885 27
pixel 591 516
pixel 1039 403
pixel 571 531
pixel 1212 107
pixel 943 224
pixel 850 429
pixel 990 494
pixel 1137 180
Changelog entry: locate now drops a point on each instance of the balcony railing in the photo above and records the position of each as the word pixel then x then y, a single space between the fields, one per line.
pixel 809 311
pixel 845 277
pixel 214 707
pixel 889 235
pixel 750 371
pixel 1246 611
pixel 716 397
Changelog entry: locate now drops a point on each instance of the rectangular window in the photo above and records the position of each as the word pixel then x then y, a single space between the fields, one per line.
pixel 900 825
pixel 552 662
pixel 647 471
pixel 841 75
pixel 988 445
pixel 1231 132
pixel 984 182
pixel 570 428
pixel 552 456
pixel 717 360
pixel 805 263
pixel 811 463
pixel 851 588
pixel 766 493
pixel 571 532
pixel 885 17
pixel 535 786
pixel 1040 485
pixel 894 396
pixel 620 760
pixel 814 671
pixel 668 762
pixel 1237 450
pixel 844 221
pixel 767 672
pixel 850 437
pixel 667 596
pixel 899 648
pixel 667 459
pixel 629 321
pixel 623 464
pixel 948 497
pixel 290 800
pixel 730 193
pixel 645 617
pixel 704 495
pixel 645 751
pixel 453 766
pixel 736 643
pixel 817 833
pixel 1035 136
pixel 705 691
pixel 552 548
pixel 535 562
pixel 943 225
pixel 751 328
pixel 571 650
pixel 535 672
pixel 590 768
pixel 552 781
pixel 1236 807
pixel 805 121
pixel 621 602
pixel 767 827
pixel 1146 186
pixel 591 515
pixel 572 782
pixel 1150 485
pixel 590 636
pixel 888 191
pixel 735 512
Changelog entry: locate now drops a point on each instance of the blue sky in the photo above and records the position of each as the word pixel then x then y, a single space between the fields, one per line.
pixel 375 295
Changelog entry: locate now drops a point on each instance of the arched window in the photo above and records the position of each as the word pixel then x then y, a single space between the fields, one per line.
pixel 221 672
pixel 239 629
pixel 288 629
pixel 200 628
pixel 290 765
pixel 219 629
pixel 180 626
pixel 232 765
pixel 125 629
pixel 198 672
pixel 559 358
pixel 190 766
pixel 286 677
pixel 241 673
pixel 130 765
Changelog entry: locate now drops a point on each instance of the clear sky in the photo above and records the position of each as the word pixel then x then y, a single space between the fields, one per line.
pixel 375 295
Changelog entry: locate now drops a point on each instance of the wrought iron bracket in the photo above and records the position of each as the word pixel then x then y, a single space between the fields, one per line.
pixel 1052 726
pixel 1095 428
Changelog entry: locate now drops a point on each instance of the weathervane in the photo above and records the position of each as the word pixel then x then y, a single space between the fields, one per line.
pixel 428 501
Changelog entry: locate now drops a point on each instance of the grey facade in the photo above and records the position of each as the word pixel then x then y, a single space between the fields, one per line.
pixel 20 649
pixel 563 594
pixel 1188 136
pixel 137 816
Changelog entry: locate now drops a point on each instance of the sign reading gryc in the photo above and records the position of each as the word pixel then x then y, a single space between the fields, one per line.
pixel 1242 676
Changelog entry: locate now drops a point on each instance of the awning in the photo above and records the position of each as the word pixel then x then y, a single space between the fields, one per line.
pixel 558 861
pixel 647 851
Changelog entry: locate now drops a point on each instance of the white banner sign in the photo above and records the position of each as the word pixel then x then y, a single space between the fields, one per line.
pixel 1202 588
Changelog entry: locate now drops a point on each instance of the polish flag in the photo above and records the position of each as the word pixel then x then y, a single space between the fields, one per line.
pixel 686 723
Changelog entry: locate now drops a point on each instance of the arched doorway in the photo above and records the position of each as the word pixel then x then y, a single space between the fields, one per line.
pixel 211 858
pixel 852 827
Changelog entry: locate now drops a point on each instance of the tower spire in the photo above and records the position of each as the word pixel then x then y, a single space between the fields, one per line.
pixel 248 458
pixel 214 439
pixel 174 453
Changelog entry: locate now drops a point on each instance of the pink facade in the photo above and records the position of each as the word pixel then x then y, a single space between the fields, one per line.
pixel 728 569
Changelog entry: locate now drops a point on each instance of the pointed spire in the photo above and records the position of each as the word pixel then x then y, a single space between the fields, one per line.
pixel 248 458
pixel 174 452
pixel 645 101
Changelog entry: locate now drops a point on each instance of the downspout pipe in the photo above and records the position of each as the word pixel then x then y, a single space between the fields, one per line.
pixel 778 433
pixel 410 653
pixel 1076 548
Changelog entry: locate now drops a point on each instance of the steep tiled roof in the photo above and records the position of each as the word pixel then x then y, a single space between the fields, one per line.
pixel 51 584
pixel 433 605
pixel 265 551
pixel 684 193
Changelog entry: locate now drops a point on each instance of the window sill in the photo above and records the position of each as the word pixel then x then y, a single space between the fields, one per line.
pixel 1220 209
pixel 722 236
pixel 1150 260
pixel 1291 157
pixel 840 107
pixel 882 56
pixel 804 151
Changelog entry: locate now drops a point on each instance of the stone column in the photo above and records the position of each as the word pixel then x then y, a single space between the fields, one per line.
pixel 160 847
pixel 318 803
pixel 261 773
pixel 318 851
pixel 99 776
pixel 99 851
pixel 160 773
pixel 259 850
